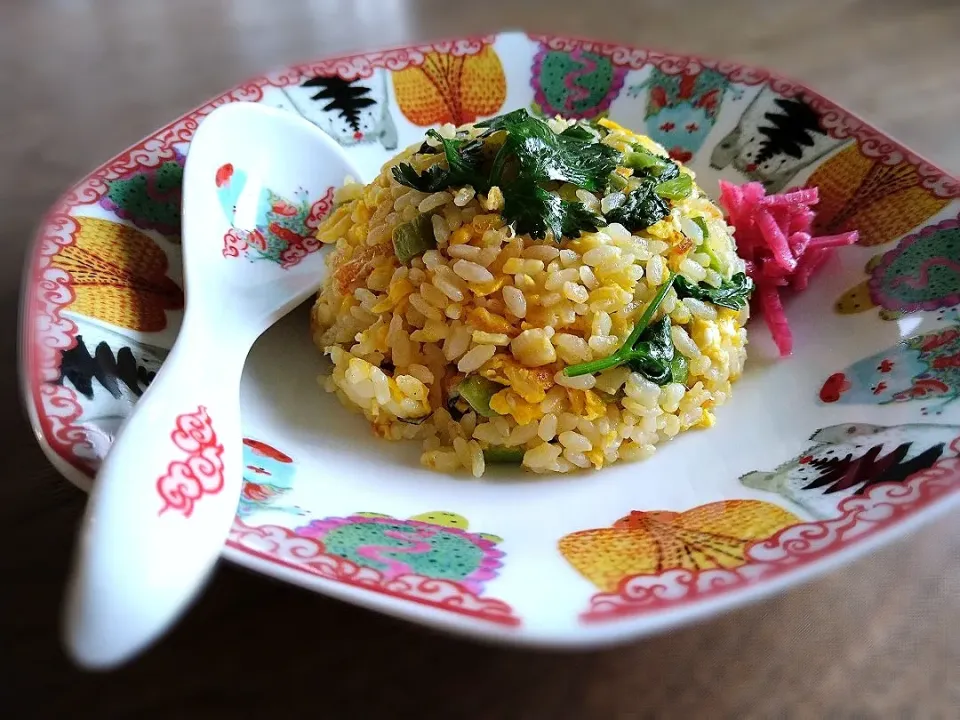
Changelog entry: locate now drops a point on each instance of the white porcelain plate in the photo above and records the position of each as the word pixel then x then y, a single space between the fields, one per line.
pixel 817 458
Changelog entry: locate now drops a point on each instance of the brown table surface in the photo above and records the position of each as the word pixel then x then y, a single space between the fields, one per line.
pixel 80 80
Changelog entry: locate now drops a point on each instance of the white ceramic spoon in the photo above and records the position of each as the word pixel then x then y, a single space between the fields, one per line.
pixel 167 492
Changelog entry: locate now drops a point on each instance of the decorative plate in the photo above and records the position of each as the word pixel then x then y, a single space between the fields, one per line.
pixel 816 459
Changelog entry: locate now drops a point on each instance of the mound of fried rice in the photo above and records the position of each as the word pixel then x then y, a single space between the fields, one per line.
pixel 517 310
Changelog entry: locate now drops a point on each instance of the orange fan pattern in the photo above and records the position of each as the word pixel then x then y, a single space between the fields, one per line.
pixel 715 535
pixel 119 276
pixel 881 202
pixel 451 88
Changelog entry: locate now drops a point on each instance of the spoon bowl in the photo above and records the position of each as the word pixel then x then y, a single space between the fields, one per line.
pixel 257 180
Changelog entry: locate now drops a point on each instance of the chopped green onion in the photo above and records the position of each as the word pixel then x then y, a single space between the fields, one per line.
pixel 702 224
pixel 504 455
pixel 414 238
pixel 679 368
pixel 477 391
pixel 624 353
pixel 642 159
pixel 617 182
pixel 676 189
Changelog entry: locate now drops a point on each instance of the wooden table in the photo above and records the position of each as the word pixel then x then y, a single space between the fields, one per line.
pixel 82 79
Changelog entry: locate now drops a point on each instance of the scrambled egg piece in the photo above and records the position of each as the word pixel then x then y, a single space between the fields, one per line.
pixel 509 402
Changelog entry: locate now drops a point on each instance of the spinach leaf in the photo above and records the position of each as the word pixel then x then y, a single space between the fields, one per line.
pixel 638 209
pixel 733 293
pixel 653 354
pixel 645 351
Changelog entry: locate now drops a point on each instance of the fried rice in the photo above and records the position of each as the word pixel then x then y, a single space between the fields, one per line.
pixel 488 308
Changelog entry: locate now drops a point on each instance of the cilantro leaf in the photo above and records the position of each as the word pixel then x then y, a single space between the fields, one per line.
pixel 733 293
pixel 503 122
pixel 638 209
pixel 574 156
pixel 534 210
pixel 464 158
pixel 581 131
pixel 432 179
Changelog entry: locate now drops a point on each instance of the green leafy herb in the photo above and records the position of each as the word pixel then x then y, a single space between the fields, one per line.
pixel 503 455
pixel 477 391
pixel 733 293
pixel 626 352
pixel 653 355
pixel 464 160
pixel 534 210
pixel 502 122
pixel 677 188
pixel 529 157
pixel 579 132
pixel 638 209
pixel 414 238
pixel 543 155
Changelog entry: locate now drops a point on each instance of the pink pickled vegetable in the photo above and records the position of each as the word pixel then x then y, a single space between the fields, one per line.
pixel 774 237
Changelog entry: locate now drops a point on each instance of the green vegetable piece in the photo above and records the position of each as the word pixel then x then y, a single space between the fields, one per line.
pixel 653 355
pixel 679 369
pixel 713 246
pixel 624 354
pixel 639 209
pixel 414 238
pixel 477 391
pixel 581 132
pixel 650 164
pixel 617 182
pixel 676 189
pixel 464 158
pixel 534 210
pixel 529 155
pixel 543 155
pixel 733 293
pixel 503 455
pixel 702 224
pixel 502 122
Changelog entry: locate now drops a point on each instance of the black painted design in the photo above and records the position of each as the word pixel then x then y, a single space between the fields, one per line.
pixel 347 97
pixel 790 131
pixel 838 474
pixel 110 370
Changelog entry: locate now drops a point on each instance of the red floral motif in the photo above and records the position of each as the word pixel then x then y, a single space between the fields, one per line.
pixel 320 209
pixel 303 246
pixel 861 516
pixel 234 243
pixel 201 473
pixel 281 546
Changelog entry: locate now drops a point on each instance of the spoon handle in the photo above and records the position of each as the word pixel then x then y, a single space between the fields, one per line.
pixel 161 505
